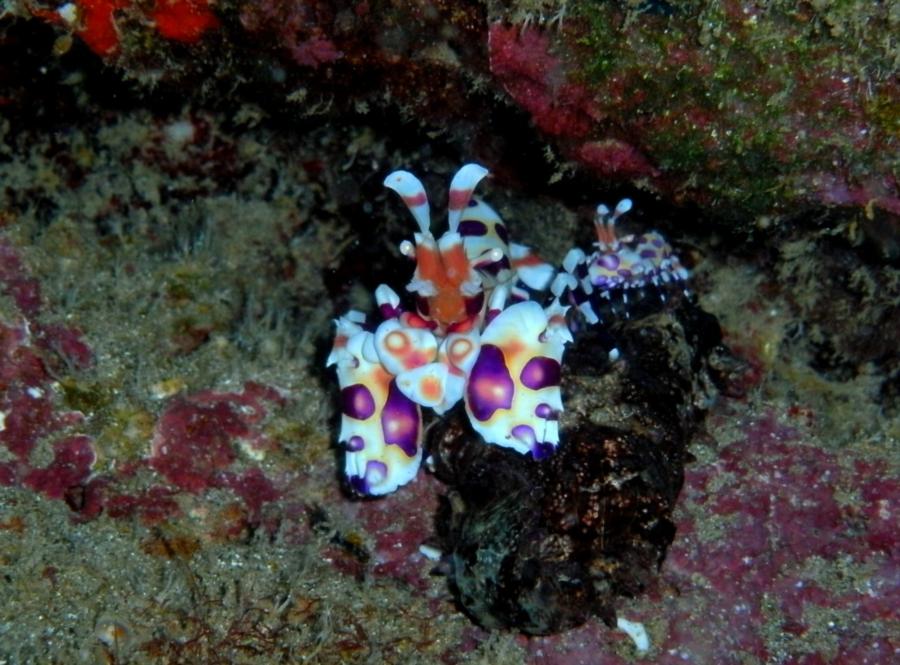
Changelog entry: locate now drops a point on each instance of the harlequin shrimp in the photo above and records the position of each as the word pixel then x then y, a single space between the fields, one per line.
pixel 512 394
pixel 381 429
pixel 473 258
pixel 621 271
pixel 531 543
pixel 461 342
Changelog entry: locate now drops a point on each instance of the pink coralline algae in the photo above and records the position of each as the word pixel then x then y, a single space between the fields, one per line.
pixel 195 441
pixel 524 63
pixel 698 105
pixel 192 443
pixel 540 81
pixel 297 26
pixel 791 554
pixel 396 552
pixel 30 414
pixel 66 343
pixel 615 158
pixel 28 404
pixel 537 79
pixel 153 506
pixel 73 458
pixel 16 283
pixel 196 437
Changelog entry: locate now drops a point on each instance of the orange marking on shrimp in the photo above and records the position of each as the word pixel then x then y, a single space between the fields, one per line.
pixel 527 260
pixel 430 388
pixel 415 200
pixel 459 198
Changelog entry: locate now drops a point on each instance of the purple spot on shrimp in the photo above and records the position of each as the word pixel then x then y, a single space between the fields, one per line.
pixel 355 444
pixel 540 372
pixel 648 254
pixel 390 312
pixel 471 227
pixel 545 411
pixel 357 402
pixel 525 434
pixel 474 304
pixel 608 261
pixel 542 450
pixel 375 474
pixel 490 386
pixel 625 273
pixel 473 203
pixel 400 421
pixel 358 485
pixel 495 267
pixel 502 233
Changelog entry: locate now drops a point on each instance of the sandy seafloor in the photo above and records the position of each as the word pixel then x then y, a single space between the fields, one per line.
pixel 168 475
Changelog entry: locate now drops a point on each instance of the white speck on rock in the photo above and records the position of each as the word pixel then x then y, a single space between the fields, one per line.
pixel 636 631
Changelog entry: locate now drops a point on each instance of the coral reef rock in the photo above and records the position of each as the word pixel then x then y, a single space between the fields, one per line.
pixel 541 546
